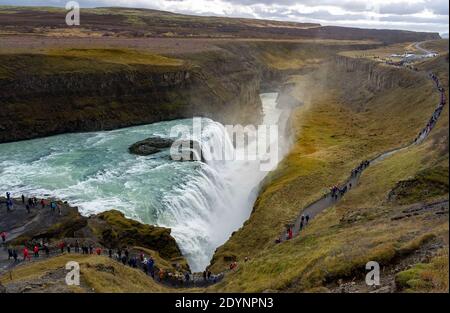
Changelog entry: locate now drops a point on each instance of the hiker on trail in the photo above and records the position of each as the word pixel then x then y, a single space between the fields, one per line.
pixel 9 205
pixel 133 262
pixel 28 208
pixel 161 275
pixel 290 234
pixel 26 254
pixel 53 206
pixel 3 235
pixel 124 260
pixel 110 253
pixel 126 253
pixel 141 257
pixel 91 249
pixel 144 266
pixel 98 251
pixel 15 256
pixel 43 204
pixel 46 249
pixel 301 225
pixel 8 195
pixel 68 248
pixel 302 218
pixel 209 274
pixel 61 246
pixel 186 277
pixel 77 246
pixel 119 253
pixel 10 253
pixel 334 192
pixel 307 219
pixel 30 202
pixel 23 199
pixel 36 251
pixel 151 267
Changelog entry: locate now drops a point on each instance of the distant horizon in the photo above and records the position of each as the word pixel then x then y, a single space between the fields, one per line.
pixel 417 16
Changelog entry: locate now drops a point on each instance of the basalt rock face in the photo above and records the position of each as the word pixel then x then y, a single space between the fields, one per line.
pixel 37 104
pixel 360 79
pixel 375 75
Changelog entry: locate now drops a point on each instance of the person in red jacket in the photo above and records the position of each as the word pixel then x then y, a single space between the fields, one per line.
pixel 36 251
pixel 98 251
pixel 290 233
pixel 3 235
pixel 61 246
pixel 26 255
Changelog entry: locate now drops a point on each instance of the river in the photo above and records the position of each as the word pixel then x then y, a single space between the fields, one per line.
pixel 203 203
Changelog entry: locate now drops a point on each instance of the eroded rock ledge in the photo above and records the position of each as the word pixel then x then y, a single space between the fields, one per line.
pixel 110 229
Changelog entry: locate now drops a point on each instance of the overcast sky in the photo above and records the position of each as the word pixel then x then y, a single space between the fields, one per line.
pixel 417 15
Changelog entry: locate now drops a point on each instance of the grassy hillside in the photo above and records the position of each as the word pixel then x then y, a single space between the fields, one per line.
pixel 79 61
pixel 98 274
pixel 439 46
pixel 335 132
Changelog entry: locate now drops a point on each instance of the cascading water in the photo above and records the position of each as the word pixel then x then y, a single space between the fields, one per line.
pixel 205 211
pixel 203 203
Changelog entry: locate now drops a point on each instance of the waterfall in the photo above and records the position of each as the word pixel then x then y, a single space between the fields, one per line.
pixel 205 211
pixel 202 202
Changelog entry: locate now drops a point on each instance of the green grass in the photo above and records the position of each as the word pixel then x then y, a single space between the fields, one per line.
pixel 83 61
pixel 335 133
pixel 118 56
pixel 439 46
pixel 341 240
pixel 426 277
pixel 429 183
pixel 116 278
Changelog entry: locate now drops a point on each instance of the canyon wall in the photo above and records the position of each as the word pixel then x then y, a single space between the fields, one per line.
pixel 376 76
pixel 35 104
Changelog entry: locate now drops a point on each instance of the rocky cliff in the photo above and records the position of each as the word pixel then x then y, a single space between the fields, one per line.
pixel 110 229
pixel 35 103
pixel 376 76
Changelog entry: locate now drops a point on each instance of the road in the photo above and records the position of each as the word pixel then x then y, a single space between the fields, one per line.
pixel 418 46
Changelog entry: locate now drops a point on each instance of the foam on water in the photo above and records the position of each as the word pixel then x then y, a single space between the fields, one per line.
pixel 202 203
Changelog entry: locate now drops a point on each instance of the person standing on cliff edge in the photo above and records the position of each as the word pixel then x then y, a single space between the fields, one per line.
pixel 3 235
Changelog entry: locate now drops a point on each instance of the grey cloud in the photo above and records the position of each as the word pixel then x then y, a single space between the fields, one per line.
pixel 400 15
